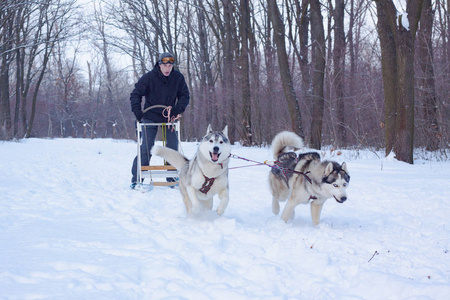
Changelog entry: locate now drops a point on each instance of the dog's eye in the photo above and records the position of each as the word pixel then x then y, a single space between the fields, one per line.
pixel 221 142
pixel 335 185
pixel 345 184
pixel 211 141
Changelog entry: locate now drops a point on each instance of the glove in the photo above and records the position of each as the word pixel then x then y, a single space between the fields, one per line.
pixel 139 114
pixel 174 112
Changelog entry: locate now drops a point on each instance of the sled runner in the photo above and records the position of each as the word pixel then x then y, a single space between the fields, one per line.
pixel 159 175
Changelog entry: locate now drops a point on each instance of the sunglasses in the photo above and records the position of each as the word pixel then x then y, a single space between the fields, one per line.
pixel 168 60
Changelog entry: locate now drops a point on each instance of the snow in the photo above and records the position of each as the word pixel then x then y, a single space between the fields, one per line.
pixel 403 21
pixel 70 228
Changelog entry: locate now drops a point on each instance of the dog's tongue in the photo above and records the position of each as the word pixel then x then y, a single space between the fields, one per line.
pixel 214 156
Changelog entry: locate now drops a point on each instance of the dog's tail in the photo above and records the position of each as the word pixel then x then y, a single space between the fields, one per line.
pixel 286 139
pixel 175 158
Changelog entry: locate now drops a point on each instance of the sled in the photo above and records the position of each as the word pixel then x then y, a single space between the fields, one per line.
pixel 157 174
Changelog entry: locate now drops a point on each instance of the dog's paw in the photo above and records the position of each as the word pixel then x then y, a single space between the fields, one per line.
pixel 220 210
pixel 223 204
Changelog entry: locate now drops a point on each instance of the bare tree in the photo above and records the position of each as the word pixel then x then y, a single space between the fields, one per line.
pixel 288 87
pixel 397 54
pixel 228 79
pixel 339 70
pixel 426 82
pixel 31 29
pixel 7 17
pixel 53 25
pixel 318 71
pixel 207 86
pixel 228 51
pixel 244 72
pixel 151 26
pixel 303 20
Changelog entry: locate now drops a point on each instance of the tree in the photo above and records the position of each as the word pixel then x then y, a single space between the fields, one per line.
pixel 244 72
pixel 397 34
pixel 204 63
pixel 29 31
pixel 427 89
pixel 283 62
pixel 53 25
pixel 339 70
pixel 7 16
pixel 318 73
pixel 228 80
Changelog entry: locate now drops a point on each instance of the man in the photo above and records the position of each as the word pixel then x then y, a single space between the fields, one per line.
pixel 162 86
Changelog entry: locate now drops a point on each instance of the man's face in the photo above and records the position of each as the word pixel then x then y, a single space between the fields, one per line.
pixel 166 68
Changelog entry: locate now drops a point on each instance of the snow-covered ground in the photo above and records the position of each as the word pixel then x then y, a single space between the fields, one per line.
pixel 70 228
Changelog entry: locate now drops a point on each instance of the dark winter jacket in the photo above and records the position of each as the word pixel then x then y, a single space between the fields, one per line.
pixel 159 90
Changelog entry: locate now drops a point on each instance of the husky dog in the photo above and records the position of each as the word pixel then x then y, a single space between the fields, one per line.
pixel 304 178
pixel 206 174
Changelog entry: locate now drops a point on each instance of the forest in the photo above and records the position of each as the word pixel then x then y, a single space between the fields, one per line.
pixel 340 73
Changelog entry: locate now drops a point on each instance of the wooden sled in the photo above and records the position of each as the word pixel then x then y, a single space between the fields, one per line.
pixel 157 174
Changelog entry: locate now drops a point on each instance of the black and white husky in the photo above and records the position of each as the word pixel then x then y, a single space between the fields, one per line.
pixel 206 174
pixel 287 180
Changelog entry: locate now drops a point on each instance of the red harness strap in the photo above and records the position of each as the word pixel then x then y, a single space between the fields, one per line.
pixel 207 184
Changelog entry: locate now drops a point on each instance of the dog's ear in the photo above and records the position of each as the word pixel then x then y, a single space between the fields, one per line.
pixel 344 167
pixel 225 131
pixel 328 169
pixel 209 130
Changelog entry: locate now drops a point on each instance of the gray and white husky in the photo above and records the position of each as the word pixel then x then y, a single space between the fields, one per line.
pixel 206 174
pixel 326 179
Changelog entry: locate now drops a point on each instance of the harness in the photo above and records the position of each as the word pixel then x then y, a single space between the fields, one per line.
pixel 208 182
pixel 283 166
pixel 273 166
pixel 207 185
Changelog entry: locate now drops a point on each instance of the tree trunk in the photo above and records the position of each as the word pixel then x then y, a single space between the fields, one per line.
pixel 398 74
pixel 288 87
pixel 448 36
pixel 228 74
pixel 5 113
pixel 427 89
pixel 206 76
pixel 303 23
pixel 189 126
pixel 389 70
pixel 244 71
pixel 46 55
pixel 339 70
pixel 6 44
pixel 318 58
pixel 269 88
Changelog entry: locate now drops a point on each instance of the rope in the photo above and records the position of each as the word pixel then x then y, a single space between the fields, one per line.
pixel 246 166
pixel 273 166
pixel 164 134
pixel 166 114
pixel 152 107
